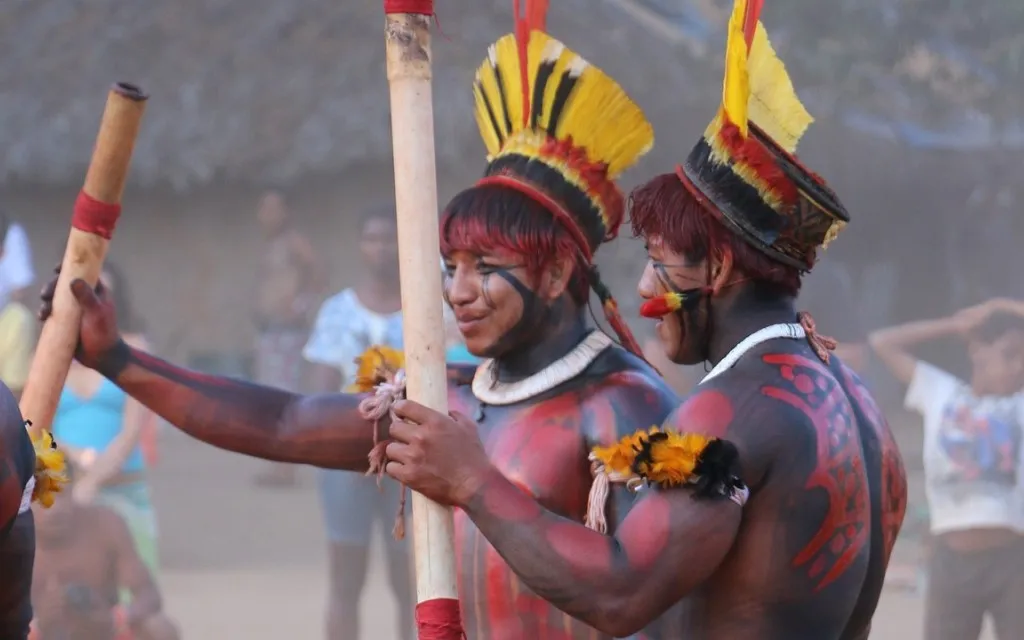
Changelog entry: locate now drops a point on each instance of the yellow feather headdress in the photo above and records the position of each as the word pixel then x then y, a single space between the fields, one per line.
pixel 745 164
pixel 559 130
pixel 559 125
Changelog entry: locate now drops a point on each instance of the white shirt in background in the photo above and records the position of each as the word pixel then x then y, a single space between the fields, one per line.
pixel 345 329
pixel 16 263
pixel 973 458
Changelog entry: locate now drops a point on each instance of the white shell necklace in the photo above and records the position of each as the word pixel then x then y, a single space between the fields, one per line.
pixel 489 390
pixel 792 331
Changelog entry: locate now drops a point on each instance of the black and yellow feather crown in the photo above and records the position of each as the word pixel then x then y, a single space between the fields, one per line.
pixel 745 166
pixel 558 127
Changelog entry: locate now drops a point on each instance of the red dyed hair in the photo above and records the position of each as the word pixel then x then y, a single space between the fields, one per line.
pixel 664 207
pixel 486 218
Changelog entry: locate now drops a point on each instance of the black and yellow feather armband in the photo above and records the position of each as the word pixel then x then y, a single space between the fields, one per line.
pixel 671 459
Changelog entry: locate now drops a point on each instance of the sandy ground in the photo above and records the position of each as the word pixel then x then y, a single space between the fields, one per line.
pixel 249 564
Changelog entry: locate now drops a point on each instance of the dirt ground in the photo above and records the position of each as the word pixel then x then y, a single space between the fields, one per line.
pixel 247 563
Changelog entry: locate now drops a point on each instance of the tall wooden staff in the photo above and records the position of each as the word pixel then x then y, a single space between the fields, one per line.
pixel 92 225
pixel 412 129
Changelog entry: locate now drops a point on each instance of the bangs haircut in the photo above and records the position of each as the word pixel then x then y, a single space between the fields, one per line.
pixel 490 218
pixel 664 207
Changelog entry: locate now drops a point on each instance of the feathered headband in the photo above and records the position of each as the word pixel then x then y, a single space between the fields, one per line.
pixel 744 165
pixel 560 130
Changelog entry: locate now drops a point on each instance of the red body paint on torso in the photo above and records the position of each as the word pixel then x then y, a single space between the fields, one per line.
pixel 828 498
pixel 542 448
pixel 893 473
pixel 839 471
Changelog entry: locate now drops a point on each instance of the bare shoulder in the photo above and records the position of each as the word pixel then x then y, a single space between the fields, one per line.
pixel 776 404
pixel 621 390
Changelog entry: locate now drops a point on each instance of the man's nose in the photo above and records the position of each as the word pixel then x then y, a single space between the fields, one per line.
pixel 460 288
pixel 647 288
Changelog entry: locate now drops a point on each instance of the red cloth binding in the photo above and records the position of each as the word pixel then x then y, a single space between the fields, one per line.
pixel 92 216
pixel 422 7
pixel 439 619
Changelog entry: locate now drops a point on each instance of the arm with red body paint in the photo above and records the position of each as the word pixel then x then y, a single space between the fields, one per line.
pixel 321 430
pixel 668 544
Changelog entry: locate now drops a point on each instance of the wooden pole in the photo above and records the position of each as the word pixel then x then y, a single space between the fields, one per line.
pixel 407 32
pixel 91 227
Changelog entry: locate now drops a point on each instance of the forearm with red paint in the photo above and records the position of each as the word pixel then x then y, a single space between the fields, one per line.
pixel 322 430
pixel 667 546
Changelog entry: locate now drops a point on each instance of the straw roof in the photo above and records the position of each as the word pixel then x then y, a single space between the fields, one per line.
pixel 252 91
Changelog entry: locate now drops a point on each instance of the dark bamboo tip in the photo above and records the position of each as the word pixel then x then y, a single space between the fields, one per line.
pixel 130 91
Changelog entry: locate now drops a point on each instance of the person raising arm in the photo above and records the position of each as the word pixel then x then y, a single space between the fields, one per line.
pixel 321 430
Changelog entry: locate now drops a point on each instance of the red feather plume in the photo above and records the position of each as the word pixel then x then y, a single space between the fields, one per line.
pixel 753 14
pixel 533 19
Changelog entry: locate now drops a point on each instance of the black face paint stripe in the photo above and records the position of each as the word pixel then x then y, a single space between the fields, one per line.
pixel 691 297
pixel 534 311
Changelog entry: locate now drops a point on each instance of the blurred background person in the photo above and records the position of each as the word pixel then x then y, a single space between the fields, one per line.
pixel 16 271
pixel 349 322
pixel 17 326
pixel 972 463
pixel 110 438
pixel 289 284
pixel 85 558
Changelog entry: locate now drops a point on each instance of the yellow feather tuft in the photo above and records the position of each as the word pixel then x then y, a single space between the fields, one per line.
pixel 736 87
pixel 498 86
pixel 667 458
pixel 50 473
pixel 596 113
pixel 774 105
pixel 377 364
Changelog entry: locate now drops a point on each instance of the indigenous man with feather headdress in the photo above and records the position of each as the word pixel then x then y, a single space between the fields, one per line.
pixel 771 499
pixel 518 250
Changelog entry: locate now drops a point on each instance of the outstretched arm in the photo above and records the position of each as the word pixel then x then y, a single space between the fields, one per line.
pixel 668 545
pixel 321 430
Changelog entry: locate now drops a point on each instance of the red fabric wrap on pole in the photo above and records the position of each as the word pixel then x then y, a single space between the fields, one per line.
pixel 92 216
pixel 421 7
pixel 439 619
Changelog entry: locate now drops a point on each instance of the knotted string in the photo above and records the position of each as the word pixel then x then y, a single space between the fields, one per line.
pixel 819 343
pixel 375 407
pixel 600 490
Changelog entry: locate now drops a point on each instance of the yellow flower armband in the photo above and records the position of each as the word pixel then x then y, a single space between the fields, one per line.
pixel 377 365
pixel 51 471
pixel 666 459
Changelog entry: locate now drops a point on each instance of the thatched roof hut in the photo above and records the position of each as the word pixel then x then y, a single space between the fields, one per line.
pixel 247 91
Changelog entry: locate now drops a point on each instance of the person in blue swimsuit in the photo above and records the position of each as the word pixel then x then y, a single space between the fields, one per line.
pixel 100 428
